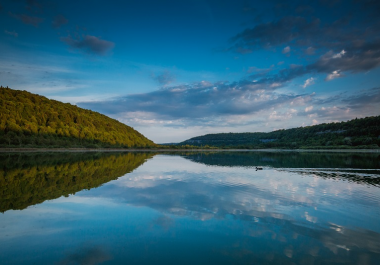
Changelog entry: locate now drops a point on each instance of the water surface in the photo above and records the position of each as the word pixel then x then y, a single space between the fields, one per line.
pixel 190 208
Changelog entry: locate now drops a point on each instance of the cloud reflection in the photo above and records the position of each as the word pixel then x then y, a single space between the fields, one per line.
pixel 273 215
pixel 283 205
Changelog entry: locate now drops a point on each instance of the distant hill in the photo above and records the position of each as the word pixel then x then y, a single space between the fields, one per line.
pixel 357 133
pixel 30 120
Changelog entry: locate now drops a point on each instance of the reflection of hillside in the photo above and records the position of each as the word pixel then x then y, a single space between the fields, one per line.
pixel 30 179
pixel 360 177
pixel 288 159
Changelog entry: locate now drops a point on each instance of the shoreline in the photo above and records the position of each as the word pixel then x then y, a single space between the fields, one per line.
pixel 63 150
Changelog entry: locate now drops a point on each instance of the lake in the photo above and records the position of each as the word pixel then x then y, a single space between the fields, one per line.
pixel 190 208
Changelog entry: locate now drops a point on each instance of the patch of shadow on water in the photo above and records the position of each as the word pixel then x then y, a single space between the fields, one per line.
pixel 86 255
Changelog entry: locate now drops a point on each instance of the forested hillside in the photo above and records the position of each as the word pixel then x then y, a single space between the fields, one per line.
pixel 357 133
pixel 30 120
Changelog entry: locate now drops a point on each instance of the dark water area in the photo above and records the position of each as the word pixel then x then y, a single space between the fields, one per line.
pixel 190 208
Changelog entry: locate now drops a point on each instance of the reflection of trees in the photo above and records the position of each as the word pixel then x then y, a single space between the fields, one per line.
pixel 358 177
pixel 296 160
pixel 288 159
pixel 30 179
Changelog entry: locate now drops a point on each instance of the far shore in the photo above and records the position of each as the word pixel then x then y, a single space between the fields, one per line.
pixel 32 150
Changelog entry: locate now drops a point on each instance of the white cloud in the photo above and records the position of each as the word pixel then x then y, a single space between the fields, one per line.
pixel 339 55
pixel 334 75
pixel 74 99
pixel 12 33
pixel 315 122
pixel 310 51
pixel 180 112
pixel 283 116
pixel 314 115
pixel 275 85
pixel 286 50
pixel 309 82
pixel 310 108
pixel 301 100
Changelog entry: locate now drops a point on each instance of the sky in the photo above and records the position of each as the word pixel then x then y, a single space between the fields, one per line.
pixel 179 69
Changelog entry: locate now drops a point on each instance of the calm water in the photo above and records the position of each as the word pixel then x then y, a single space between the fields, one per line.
pixel 190 208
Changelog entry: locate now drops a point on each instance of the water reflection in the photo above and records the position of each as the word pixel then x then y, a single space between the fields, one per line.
pixel 288 159
pixel 28 179
pixel 172 210
pixel 357 167
pixel 280 205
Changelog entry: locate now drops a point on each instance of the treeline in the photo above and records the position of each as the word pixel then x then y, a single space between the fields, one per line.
pixel 30 120
pixel 357 133
pixel 33 178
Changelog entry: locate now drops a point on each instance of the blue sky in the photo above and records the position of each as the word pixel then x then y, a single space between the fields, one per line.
pixel 178 69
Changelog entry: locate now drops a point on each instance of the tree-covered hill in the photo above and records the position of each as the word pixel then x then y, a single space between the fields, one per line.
pixel 357 133
pixel 30 120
